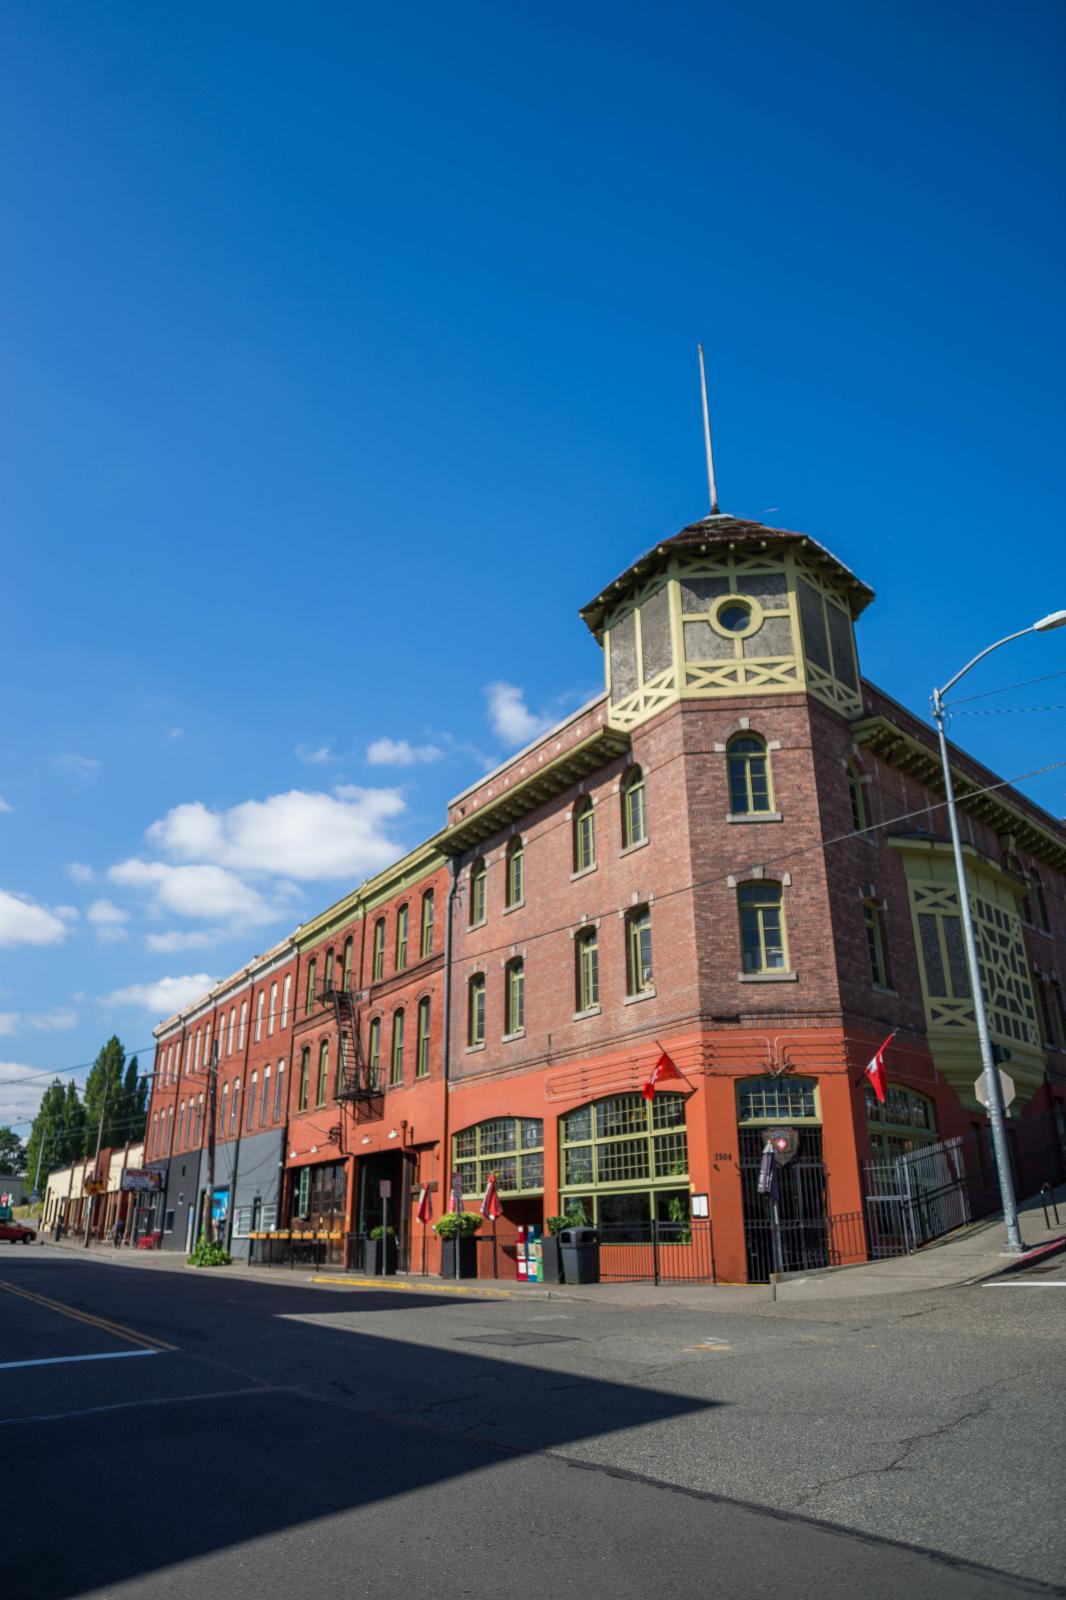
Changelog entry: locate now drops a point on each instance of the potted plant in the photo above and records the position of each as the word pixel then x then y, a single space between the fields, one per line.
pixel 456 1230
pixel 573 1217
pixel 379 1258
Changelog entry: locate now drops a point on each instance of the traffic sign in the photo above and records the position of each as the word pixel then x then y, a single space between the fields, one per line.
pixel 1006 1085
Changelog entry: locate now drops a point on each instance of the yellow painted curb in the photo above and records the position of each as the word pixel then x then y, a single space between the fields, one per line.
pixel 410 1288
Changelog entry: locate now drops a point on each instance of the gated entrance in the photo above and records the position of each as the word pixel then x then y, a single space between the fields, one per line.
pixel 802 1206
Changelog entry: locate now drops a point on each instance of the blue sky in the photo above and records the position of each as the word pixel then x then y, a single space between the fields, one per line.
pixel 345 355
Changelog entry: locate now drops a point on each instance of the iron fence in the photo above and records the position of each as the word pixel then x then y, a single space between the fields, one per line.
pixel 658 1252
pixel 803 1246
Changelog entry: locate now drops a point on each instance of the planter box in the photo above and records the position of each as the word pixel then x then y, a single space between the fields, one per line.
pixel 467 1257
pixel 552 1259
pixel 379 1257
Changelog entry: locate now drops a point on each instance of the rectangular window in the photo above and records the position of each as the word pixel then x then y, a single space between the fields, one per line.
pixel 515 1010
pixel 401 938
pixel 310 1000
pixel 875 943
pixel 374 1053
pixel 396 1076
pixel 762 934
pixel 427 924
pixel 478 883
pixel 475 1017
pixel 588 972
pixel 285 993
pixel 422 1062
pixel 305 1078
pixel 323 1073
pixel 638 951
pixel 378 969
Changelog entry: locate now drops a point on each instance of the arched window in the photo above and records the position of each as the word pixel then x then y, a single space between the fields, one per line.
pixel 264 1109
pixel 584 835
pixel 323 1073
pixel 510 1147
pixel 286 991
pixel 207 1045
pixel 426 945
pixel 259 1004
pixel 422 1060
pixel 309 998
pixel 235 1107
pixel 272 1014
pixel 223 1110
pixel 587 970
pixel 253 1091
pixel 515 998
pixel 478 883
pixel 402 917
pixel 624 1160
pixel 232 1030
pixel 762 927
pixel 749 776
pixel 346 965
pixel 475 1010
pixel 516 872
pixel 634 809
pixel 199 1117
pixel 377 971
pixel 305 1078
pixel 196 1052
pixel 875 941
pixel 243 1025
pixel 342 1066
pixel 373 1053
pixel 905 1122
pixel 638 950
pixel 856 799
pixel 181 1128
pixel 396 1064
pixel 327 978
pixel 279 1092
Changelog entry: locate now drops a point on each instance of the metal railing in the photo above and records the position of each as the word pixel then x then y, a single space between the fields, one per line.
pixel 658 1252
pixel 803 1245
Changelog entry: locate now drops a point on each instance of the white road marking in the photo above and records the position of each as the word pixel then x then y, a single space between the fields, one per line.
pixel 1033 1283
pixel 56 1361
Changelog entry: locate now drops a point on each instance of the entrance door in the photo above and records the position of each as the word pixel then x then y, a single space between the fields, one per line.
pixel 371 1208
pixel 802 1206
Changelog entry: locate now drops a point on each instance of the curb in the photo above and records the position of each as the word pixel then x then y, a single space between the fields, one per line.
pixel 1042 1252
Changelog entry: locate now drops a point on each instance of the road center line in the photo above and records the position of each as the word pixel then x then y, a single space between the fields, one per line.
pixel 57 1361
pixel 118 1329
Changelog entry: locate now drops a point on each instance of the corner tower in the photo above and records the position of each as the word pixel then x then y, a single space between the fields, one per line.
pixel 725 608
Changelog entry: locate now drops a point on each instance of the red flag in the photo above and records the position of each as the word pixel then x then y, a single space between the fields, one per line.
pixel 490 1205
pixel 875 1068
pixel 663 1068
pixel 425 1209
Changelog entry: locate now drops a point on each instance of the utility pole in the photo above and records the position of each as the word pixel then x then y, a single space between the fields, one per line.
pixel 96 1172
pixel 207 1229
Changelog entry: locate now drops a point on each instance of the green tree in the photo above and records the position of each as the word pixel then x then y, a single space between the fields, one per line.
pixel 58 1133
pixel 105 1091
pixel 12 1153
pixel 135 1102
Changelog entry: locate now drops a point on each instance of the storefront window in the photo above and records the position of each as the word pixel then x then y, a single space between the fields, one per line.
pixel 511 1147
pixel 622 1159
pixel 906 1121
pixel 777 1100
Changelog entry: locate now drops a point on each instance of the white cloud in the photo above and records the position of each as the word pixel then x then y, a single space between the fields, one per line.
pixel 510 718
pixel 196 891
pixel 175 733
pixel 400 753
pixel 79 769
pixel 315 755
pixel 80 873
pixel 4 807
pixel 40 1021
pixel 308 836
pixel 109 920
pixel 195 939
pixel 19 1100
pixel 163 997
pixel 23 921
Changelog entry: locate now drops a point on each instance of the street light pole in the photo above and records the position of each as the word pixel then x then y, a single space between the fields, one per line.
pixel 996 1110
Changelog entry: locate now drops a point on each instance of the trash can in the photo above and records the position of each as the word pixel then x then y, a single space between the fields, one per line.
pixel 580 1250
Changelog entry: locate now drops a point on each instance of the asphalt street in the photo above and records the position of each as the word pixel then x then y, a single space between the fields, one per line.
pixel 170 1434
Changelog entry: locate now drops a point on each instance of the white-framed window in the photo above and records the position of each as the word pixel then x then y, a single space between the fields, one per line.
pixel 259 1004
pixel 286 991
pixel 232 1029
pixel 207 1044
pixel 273 1012
pixel 196 1052
pixel 278 1088
pixel 243 1026
pixel 264 1108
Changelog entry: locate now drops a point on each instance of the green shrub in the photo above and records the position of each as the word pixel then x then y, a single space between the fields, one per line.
pixel 457 1224
pixel 209 1253
pixel 379 1232
pixel 574 1217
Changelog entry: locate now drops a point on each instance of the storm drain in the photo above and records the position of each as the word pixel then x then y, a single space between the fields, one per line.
pixel 515 1339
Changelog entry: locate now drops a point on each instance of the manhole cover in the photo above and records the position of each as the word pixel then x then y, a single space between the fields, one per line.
pixel 517 1338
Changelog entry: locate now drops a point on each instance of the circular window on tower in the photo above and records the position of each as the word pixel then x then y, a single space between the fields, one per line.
pixel 736 615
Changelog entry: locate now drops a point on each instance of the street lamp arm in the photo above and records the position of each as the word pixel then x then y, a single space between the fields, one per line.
pixel 938 694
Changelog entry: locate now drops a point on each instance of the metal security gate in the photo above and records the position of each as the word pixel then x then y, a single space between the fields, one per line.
pixel 803 1207
pixel 919 1195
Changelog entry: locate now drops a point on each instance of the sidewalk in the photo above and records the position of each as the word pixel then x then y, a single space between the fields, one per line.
pixel 970 1255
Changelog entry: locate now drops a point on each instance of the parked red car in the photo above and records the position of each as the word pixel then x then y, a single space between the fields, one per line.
pixel 16 1233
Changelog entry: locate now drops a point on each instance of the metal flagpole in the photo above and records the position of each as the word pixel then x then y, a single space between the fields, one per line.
pixel 707 436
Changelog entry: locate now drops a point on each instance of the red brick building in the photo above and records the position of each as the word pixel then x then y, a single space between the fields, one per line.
pixel 738 856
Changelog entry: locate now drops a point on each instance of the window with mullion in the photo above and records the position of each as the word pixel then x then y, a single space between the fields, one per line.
pixel 516 872
pixel 634 809
pixel 426 946
pixel 749 776
pixel 377 971
pixel 323 1073
pixel 475 1010
pixel 515 1006
pixel 422 1058
pixel 373 1053
pixel 638 951
pixel 310 997
pixel 305 1079
pixel 396 1067
pixel 584 836
pixel 401 938
pixel 588 970
pixel 875 942
pixel 478 885
pixel 762 933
